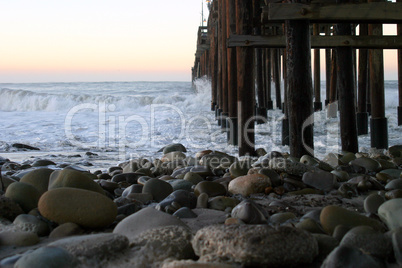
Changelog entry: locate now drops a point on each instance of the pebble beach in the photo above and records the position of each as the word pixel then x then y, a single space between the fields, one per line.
pixel 204 209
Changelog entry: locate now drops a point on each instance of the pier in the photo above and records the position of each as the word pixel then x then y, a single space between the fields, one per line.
pixel 249 45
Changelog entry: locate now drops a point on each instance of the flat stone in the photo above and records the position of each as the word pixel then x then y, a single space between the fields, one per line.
pixel 24 194
pixel 321 180
pixel 66 229
pixel 255 245
pixel 367 163
pixel 74 179
pixel 332 216
pixel 18 238
pixel 143 220
pixel 390 212
pixel 249 184
pixel 39 178
pixel 98 246
pixel 49 257
pixel 83 207
pixel 210 188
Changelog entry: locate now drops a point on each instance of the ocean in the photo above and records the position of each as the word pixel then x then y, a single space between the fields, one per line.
pixel 122 120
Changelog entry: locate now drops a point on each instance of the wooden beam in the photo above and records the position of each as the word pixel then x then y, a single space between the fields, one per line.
pixel 386 12
pixel 319 41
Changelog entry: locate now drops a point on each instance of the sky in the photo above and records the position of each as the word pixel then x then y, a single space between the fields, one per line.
pixel 98 40
pixel 104 40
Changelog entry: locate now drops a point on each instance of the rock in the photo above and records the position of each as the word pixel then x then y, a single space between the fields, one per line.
pixel 165 242
pixel 94 246
pixel 83 207
pixel 249 184
pixel 178 184
pixel 281 217
pixel 184 213
pixel 130 177
pixel 173 147
pixel 369 241
pixel 193 177
pixel 173 157
pixel 343 256
pixel 373 202
pixel 393 194
pixel 310 225
pixel 143 198
pixel 30 223
pixel 273 176
pixel 249 212
pixel 240 168
pixel 294 168
pixel 341 175
pixel 9 209
pixel 222 202
pixel 143 220
pixel 332 216
pixel 49 257
pixel 159 189
pixel 308 160
pixel 366 163
pixel 326 244
pixel 202 201
pixel 43 163
pixel 66 229
pixel 321 180
pixel 395 173
pixel 255 245
pixel 215 159
pixel 194 264
pixel 390 212
pixel 39 178
pixel 24 194
pixel 182 197
pixel 394 185
pixel 395 151
pixel 210 188
pixel 74 179
pixel 128 209
pixel 24 147
pixel 205 217
pixel 18 238
pixel 397 245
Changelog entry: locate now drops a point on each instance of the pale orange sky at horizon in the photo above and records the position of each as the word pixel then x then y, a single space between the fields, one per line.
pixel 101 40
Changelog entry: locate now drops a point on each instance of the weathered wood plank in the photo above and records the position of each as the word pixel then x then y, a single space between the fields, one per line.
pixel 386 12
pixel 368 42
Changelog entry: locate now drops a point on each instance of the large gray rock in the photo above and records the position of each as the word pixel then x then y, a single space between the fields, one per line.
pixel 321 180
pixel 255 245
pixel 344 256
pixel 144 220
pixel 49 257
pixel 390 212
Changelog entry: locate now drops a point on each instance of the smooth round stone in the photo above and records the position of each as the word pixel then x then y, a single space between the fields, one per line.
pixel 66 229
pixel 182 197
pixel 173 156
pixel 143 198
pixel 215 159
pixel 321 180
pixel 308 160
pixel 249 212
pixel 340 231
pixel 43 163
pixel 185 212
pixel 281 217
pixel 222 203
pixel 341 175
pixel 181 185
pixel 390 212
pixel 347 157
pixel 134 188
pixel 394 185
pixel 18 238
pixel 393 194
pixel 193 177
pixel 395 173
pixel 39 178
pixel 131 177
pixel 9 209
pixel 202 201
pixel 386 164
pixel 203 171
pixel 332 216
pixel 159 189
pixel 49 257
pixel 369 241
pixel 326 245
pixel 367 163
pixel 273 176
pixel 239 168
pixel 310 225
pixel 74 179
pixel 249 184
pixel 344 256
pixel 109 186
pixel 200 154
pixel 101 246
pixel 255 245
pixel 128 209
pixel 373 202
pixel 33 224
pixel 210 188
pixel 83 207
pixel 173 148
pixel 383 177
pixel 24 194
pixel 144 220
pixel 395 151
pixel 397 245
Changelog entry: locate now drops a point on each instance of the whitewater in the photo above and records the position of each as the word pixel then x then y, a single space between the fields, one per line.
pixel 123 120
